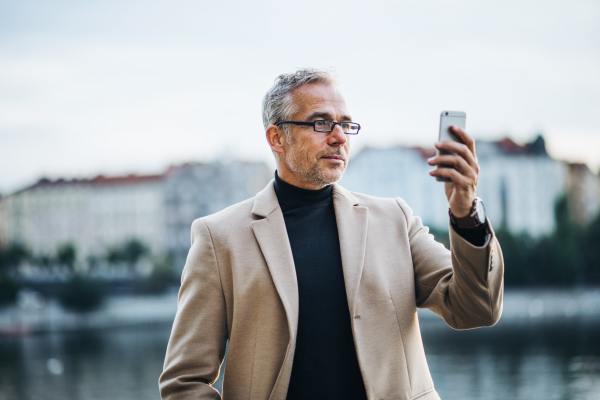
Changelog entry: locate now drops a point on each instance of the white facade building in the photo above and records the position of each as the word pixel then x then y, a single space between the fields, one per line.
pixel 583 191
pixel 47 215
pixel 124 208
pixel 400 172
pixel 96 215
pixel 93 215
pixel 196 190
pixel 518 184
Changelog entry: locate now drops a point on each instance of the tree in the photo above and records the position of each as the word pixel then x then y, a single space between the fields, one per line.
pixel 67 254
pixel 133 251
pixel 591 244
pixel 8 287
pixel 45 261
pixel 8 290
pixel 163 275
pixel 516 250
pixel 82 294
pixel 114 256
pixel 15 254
pixel 92 262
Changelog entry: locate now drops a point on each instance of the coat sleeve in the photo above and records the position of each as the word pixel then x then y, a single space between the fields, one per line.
pixel 198 338
pixel 465 285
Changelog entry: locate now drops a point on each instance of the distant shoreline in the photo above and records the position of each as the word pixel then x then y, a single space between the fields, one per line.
pixel 520 306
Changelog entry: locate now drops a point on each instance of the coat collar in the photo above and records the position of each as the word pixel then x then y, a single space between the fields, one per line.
pixel 270 231
pixel 352 222
pixel 265 201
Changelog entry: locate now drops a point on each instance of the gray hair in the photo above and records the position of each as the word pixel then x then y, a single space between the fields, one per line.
pixel 278 105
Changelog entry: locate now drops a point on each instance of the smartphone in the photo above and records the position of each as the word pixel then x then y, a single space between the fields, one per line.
pixel 448 119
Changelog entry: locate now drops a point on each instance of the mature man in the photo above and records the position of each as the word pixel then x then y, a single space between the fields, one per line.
pixel 315 287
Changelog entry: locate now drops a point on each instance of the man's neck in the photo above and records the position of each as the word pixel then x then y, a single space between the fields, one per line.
pixel 294 196
pixel 293 180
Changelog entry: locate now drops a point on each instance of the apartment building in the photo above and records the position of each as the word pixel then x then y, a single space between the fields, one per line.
pixel 519 184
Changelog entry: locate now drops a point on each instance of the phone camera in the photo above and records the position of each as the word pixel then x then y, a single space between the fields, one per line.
pixel 446 113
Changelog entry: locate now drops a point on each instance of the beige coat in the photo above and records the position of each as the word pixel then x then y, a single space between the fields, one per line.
pixel 239 284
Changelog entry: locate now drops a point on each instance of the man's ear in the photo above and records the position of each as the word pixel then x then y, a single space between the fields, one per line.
pixel 275 138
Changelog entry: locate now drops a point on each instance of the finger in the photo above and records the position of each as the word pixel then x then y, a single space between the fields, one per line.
pixel 465 138
pixel 457 162
pixel 458 148
pixel 456 177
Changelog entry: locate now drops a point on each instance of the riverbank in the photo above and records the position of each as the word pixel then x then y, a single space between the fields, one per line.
pixel 538 304
pixel 116 312
pixel 520 306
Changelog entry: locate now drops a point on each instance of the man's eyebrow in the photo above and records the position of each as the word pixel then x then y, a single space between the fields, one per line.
pixel 326 115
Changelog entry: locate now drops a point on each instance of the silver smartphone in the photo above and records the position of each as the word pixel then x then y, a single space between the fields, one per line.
pixel 448 119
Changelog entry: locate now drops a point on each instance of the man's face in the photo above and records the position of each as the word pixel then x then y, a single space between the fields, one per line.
pixel 316 159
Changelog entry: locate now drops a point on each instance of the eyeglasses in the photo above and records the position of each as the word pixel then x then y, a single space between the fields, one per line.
pixel 320 125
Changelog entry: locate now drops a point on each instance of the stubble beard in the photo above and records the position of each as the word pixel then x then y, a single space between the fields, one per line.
pixel 313 173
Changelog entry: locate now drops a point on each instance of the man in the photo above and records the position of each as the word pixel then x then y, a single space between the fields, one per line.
pixel 316 288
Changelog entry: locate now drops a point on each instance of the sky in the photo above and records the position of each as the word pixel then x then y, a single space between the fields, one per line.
pixel 115 87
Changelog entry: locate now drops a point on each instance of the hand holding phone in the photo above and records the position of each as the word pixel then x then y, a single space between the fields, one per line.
pixel 448 119
pixel 456 161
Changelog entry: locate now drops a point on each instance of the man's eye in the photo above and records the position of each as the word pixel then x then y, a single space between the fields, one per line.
pixel 320 124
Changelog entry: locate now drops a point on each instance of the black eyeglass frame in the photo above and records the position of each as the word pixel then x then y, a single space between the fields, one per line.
pixel 313 124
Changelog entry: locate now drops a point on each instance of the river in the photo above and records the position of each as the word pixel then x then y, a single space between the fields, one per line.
pixel 534 360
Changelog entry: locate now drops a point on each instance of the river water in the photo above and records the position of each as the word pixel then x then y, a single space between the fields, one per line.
pixel 541 360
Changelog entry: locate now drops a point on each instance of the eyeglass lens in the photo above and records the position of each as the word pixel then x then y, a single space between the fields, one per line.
pixel 327 126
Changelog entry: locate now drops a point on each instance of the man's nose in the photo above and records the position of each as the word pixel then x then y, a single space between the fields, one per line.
pixel 337 136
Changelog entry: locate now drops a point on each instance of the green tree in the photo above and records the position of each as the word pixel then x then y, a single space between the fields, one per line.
pixel 82 294
pixel 516 250
pixel 45 261
pixel 92 262
pixel 133 250
pixel 591 244
pixel 564 245
pixel 114 256
pixel 163 275
pixel 10 257
pixel 8 290
pixel 67 255
pixel 15 254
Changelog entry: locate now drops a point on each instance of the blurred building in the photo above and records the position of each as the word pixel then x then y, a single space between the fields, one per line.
pixel 519 184
pixel 48 214
pixel 399 172
pixel 124 208
pixel 583 193
pixel 196 190
pixel 102 213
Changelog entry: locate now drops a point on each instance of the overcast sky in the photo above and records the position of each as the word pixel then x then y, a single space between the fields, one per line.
pixel 112 87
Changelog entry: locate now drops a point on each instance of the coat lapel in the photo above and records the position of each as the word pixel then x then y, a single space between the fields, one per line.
pixel 273 240
pixel 352 230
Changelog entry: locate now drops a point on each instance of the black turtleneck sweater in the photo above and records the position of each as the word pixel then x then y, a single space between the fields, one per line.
pixel 325 364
